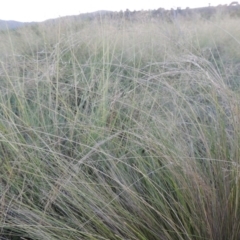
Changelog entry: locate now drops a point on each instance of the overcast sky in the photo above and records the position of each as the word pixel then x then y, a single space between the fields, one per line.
pixel 40 10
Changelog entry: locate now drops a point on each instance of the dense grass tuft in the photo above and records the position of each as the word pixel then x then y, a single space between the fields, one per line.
pixel 120 130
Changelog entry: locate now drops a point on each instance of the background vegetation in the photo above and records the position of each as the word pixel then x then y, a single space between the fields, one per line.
pixel 119 129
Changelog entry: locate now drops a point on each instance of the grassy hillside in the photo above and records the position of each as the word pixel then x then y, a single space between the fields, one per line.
pixel 113 129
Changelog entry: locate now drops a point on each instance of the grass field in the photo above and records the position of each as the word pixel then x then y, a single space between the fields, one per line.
pixel 120 130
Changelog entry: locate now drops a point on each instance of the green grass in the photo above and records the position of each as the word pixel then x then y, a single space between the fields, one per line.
pixel 120 130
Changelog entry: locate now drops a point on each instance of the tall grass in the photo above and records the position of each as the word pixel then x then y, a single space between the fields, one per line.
pixel 120 130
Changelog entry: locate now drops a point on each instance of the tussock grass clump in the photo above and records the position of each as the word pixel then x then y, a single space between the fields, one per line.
pixel 120 130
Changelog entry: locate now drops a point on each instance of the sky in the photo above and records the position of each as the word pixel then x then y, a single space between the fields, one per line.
pixel 40 10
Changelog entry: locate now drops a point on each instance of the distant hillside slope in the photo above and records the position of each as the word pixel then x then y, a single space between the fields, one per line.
pixel 232 10
pixel 15 24
pixel 11 24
